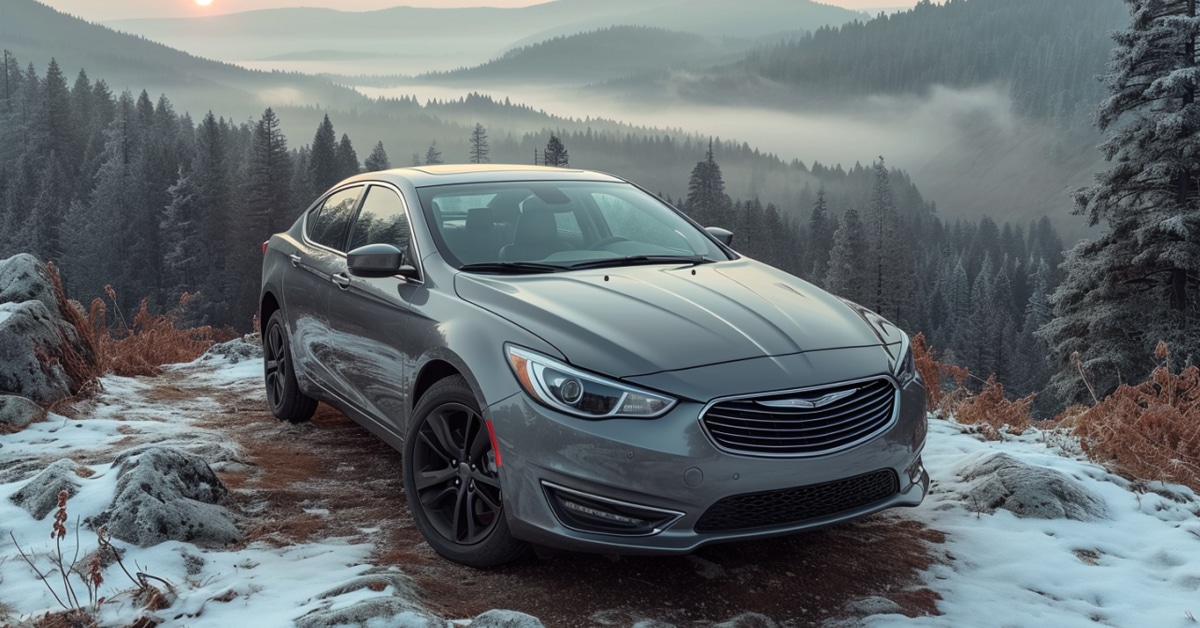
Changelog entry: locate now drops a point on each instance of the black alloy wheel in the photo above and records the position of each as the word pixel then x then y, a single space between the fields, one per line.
pixel 284 397
pixel 452 480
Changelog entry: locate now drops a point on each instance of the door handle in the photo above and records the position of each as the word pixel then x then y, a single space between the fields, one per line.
pixel 342 280
pixel 295 260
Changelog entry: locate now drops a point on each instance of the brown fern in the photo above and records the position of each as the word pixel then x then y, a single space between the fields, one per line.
pixel 993 412
pixel 1151 430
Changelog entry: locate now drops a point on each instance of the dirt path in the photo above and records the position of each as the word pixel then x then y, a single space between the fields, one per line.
pixel 331 478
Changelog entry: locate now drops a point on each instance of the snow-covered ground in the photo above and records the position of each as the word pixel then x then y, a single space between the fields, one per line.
pixel 1139 566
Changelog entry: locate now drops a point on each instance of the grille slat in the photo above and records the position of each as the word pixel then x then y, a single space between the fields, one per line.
pixel 777 424
pixel 748 426
pixel 777 437
pixel 800 504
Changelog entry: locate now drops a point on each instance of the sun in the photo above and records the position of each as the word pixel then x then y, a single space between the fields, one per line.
pixel 204 3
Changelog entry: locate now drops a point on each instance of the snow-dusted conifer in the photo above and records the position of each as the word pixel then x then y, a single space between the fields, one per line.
pixel 1139 282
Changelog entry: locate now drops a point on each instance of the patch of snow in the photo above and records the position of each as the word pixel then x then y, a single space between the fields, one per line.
pixel 1140 566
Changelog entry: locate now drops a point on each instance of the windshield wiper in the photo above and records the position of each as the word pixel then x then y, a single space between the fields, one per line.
pixel 512 268
pixel 642 260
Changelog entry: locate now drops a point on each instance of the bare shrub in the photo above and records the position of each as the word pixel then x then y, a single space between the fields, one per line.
pixel 937 398
pixel 1149 431
pixel 79 356
pixel 993 412
pixel 151 341
pixel 81 604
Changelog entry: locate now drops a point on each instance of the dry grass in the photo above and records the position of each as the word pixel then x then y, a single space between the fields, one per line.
pixel 1149 431
pixel 989 409
pixel 994 413
pixel 937 398
pixel 79 356
pixel 151 342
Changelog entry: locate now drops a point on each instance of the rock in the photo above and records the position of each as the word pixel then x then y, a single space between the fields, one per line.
pixel 748 620
pixel 40 350
pixel 505 619
pixel 18 412
pixel 234 351
pixel 400 583
pixel 29 342
pixel 393 612
pixel 1001 481
pixel 39 496
pixel 167 495
pixel 24 278
pixel 873 605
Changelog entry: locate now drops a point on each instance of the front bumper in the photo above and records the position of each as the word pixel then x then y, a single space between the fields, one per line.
pixel 668 474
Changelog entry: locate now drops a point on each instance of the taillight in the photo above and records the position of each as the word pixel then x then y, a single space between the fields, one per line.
pixel 265 243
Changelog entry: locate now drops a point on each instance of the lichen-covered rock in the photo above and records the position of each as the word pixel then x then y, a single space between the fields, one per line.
pixel 393 611
pixel 42 355
pixel 40 494
pixel 235 351
pixel 24 278
pixel 505 619
pixel 748 620
pixel 167 495
pixel 873 605
pixel 18 412
pixel 29 342
pixel 1001 481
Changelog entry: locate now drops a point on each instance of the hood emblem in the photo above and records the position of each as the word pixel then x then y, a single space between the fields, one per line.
pixel 808 403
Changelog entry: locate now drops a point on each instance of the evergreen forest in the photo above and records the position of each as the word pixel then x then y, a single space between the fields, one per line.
pixel 124 193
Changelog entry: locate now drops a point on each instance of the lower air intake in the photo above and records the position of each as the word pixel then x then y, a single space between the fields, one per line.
pixel 797 505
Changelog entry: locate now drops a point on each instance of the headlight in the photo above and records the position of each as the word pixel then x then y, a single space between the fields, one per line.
pixel 893 339
pixel 570 390
pixel 906 366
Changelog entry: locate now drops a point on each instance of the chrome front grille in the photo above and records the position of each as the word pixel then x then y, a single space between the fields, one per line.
pixel 806 423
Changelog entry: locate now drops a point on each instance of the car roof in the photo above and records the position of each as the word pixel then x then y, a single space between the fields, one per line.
pixel 453 174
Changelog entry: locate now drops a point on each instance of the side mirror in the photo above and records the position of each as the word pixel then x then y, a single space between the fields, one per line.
pixel 379 260
pixel 725 236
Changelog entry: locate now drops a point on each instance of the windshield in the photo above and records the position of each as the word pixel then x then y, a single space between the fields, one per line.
pixel 545 226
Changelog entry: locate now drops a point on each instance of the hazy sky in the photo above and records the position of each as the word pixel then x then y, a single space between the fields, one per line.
pixel 101 10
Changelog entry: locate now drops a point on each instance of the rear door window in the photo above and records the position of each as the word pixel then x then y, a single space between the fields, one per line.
pixel 327 224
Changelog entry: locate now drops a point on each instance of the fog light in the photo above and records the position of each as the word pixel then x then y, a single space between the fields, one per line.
pixel 591 513
pixel 601 514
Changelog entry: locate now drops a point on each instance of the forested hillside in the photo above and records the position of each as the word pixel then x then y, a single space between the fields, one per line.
pixel 127 192
pixel 1048 53
pixel 600 55
pixel 33 31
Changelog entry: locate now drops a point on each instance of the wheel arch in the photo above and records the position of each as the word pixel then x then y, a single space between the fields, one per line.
pixel 432 372
pixel 267 306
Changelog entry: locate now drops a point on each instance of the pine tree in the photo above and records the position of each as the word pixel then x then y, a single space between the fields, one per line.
pixel 378 160
pixel 323 166
pixel 433 156
pixel 264 208
pixel 888 266
pixel 820 237
pixel 347 159
pixel 556 153
pixel 479 145
pixel 707 202
pixel 1139 282
pixel 847 276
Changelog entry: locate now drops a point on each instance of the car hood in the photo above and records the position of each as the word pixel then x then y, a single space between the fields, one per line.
pixel 638 320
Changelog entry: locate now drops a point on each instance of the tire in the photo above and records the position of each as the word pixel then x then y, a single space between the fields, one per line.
pixel 451 479
pixel 284 398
